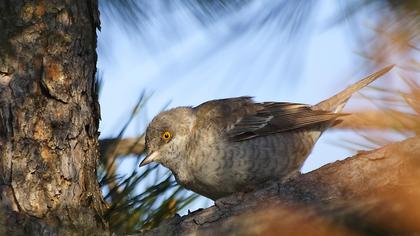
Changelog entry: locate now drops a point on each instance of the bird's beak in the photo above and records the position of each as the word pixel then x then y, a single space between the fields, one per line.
pixel 149 158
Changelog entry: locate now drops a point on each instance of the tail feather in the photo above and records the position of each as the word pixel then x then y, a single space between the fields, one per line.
pixel 336 103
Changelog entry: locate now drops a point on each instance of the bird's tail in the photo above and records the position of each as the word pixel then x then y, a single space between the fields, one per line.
pixel 336 103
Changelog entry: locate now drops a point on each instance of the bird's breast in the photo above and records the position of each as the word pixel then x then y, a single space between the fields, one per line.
pixel 221 168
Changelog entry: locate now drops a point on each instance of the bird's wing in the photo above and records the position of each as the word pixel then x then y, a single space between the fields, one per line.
pixel 241 118
pixel 224 113
pixel 276 117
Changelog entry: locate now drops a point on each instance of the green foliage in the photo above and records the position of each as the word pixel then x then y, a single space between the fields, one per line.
pixel 130 211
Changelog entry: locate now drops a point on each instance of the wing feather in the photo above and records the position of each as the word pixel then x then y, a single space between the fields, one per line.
pixel 241 118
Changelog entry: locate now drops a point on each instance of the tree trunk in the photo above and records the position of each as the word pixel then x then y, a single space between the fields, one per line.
pixel 49 117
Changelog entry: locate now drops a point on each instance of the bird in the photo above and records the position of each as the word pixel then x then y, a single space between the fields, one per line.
pixel 237 145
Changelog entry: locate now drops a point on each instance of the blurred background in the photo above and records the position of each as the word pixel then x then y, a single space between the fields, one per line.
pixel 161 54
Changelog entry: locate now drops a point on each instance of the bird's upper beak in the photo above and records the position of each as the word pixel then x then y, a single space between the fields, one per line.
pixel 149 158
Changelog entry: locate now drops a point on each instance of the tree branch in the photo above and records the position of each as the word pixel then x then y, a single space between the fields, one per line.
pixel 372 192
pixel 121 147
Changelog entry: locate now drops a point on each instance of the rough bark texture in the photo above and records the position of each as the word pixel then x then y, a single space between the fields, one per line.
pixel 372 193
pixel 49 118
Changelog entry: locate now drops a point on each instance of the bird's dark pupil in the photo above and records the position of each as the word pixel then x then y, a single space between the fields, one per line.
pixel 166 135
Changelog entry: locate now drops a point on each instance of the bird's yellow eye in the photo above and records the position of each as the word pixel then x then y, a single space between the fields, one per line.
pixel 166 136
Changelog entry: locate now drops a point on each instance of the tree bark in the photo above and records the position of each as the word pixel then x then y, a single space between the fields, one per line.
pixel 49 117
pixel 372 193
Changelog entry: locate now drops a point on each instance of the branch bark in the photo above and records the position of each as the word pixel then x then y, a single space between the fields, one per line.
pixel 372 192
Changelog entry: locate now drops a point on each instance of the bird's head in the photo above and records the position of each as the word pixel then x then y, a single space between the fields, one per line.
pixel 167 136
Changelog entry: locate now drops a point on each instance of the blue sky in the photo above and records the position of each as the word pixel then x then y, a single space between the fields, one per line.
pixel 181 63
